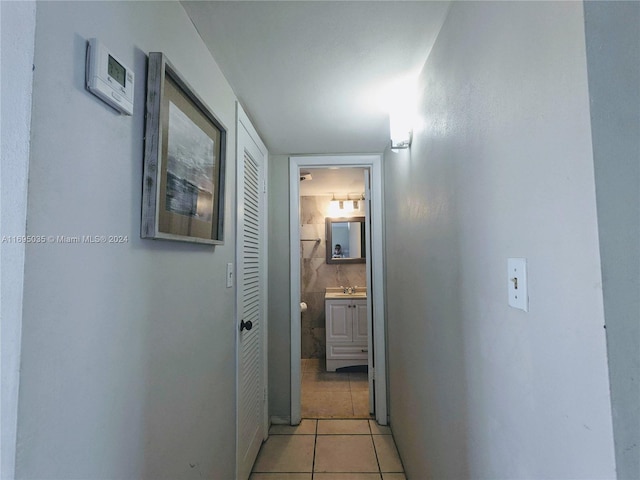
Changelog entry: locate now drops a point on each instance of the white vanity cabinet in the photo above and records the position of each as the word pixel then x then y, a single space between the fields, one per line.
pixel 346 331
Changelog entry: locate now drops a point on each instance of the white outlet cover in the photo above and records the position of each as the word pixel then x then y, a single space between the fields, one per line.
pixel 517 283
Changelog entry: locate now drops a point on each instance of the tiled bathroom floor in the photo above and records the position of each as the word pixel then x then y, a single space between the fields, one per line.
pixel 333 394
pixel 329 450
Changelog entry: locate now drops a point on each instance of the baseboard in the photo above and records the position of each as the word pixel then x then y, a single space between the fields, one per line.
pixel 278 420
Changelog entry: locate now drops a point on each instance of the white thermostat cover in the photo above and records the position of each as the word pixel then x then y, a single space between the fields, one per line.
pixel 108 78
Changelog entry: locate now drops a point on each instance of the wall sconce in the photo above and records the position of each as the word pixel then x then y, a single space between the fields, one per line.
pixel 401 129
pixel 400 100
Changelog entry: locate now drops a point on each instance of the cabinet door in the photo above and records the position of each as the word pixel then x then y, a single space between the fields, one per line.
pixel 339 324
pixel 360 322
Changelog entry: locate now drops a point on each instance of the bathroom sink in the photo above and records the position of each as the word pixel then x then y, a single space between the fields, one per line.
pixel 337 292
pixel 345 295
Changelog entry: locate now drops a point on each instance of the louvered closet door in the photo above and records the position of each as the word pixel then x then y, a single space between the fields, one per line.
pixel 251 390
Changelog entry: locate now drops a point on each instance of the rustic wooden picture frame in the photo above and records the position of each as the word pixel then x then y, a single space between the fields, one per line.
pixel 184 161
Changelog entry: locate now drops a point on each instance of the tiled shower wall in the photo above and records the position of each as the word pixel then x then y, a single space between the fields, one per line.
pixel 317 275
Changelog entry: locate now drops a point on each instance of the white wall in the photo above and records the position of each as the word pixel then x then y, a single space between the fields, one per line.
pixel 503 167
pixel 128 350
pixel 613 51
pixel 18 21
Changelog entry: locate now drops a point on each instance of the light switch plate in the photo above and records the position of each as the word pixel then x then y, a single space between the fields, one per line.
pixel 229 275
pixel 517 283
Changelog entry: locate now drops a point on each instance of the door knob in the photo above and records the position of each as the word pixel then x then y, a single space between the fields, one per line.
pixel 246 325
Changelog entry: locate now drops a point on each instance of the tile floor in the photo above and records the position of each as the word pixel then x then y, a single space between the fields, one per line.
pixel 324 449
pixel 333 394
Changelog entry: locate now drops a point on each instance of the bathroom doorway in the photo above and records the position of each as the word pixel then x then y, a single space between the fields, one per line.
pixel 333 291
pixel 352 384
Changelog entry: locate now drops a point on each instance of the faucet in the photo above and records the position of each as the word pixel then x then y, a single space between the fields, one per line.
pixel 349 290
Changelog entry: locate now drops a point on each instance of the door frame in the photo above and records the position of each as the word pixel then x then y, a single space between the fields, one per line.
pixel 374 163
pixel 243 122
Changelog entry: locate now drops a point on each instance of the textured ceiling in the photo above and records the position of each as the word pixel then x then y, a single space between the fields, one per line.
pixel 309 73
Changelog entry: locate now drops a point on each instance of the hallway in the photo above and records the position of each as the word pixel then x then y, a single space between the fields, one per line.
pixel 329 450
pixel 120 358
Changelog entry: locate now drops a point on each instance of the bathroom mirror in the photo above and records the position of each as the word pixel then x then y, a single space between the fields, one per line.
pixel 345 240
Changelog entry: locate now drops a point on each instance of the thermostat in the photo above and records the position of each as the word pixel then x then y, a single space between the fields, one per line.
pixel 108 78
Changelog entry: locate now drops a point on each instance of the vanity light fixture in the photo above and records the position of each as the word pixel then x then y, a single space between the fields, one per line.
pixel 356 203
pixel 347 205
pixel 340 208
pixel 335 207
pixel 335 204
pixel 343 208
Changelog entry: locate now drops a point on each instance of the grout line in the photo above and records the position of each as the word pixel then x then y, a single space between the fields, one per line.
pixel 315 443
pixel 375 450
pixel 353 410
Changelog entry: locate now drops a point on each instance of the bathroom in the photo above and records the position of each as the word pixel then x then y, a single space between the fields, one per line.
pixel 331 204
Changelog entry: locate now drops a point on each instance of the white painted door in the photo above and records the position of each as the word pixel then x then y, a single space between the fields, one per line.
pixel 372 291
pixel 251 296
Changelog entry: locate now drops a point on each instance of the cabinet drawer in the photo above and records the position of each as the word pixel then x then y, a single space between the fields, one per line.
pixel 347 351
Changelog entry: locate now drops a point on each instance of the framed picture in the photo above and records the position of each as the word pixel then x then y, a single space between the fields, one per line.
pixel 184 161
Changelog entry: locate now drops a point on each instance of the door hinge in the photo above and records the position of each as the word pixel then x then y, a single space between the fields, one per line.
pixel 373 373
